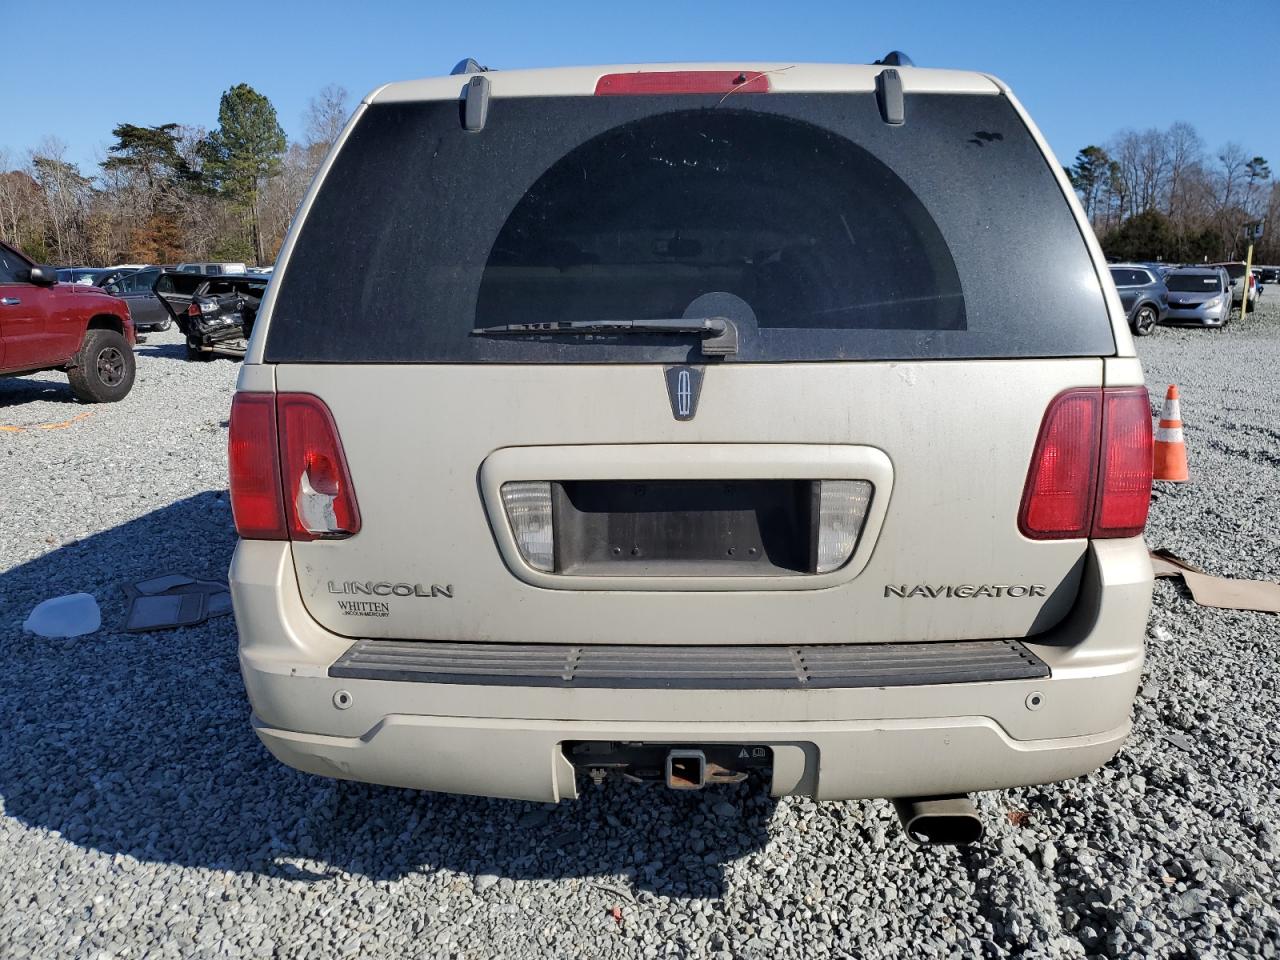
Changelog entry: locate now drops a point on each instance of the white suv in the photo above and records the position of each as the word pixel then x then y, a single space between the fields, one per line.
pixel 684 422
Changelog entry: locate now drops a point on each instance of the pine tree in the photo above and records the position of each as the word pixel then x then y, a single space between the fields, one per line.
pixel 244 151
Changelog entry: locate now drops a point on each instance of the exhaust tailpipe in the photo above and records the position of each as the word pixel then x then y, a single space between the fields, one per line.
pixel 939 820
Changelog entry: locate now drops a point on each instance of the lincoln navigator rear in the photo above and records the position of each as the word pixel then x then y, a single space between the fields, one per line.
pixel 690 423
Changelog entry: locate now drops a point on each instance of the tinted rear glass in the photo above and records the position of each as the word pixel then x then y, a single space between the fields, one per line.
pixel 1193 282
pixel 823 232
pixel 1130 278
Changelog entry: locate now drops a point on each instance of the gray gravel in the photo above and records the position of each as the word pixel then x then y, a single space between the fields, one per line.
pixel 140 817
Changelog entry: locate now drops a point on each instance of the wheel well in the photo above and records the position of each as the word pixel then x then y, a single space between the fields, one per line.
pixel 105 321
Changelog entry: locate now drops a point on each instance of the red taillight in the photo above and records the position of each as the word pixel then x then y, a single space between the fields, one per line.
pixel 288 475
pixel 1057 501
pixel 683 81
pixel 317 484
pixel 1124 476
pixel 1090 473
pixel 193 310
pixel 253 456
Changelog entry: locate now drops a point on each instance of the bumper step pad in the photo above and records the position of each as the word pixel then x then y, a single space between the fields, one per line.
pixel 688 667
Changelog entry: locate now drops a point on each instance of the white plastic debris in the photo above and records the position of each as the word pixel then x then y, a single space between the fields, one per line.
pixel 71 616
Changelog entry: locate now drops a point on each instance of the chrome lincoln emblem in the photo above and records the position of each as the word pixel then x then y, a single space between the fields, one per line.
pixel 683 386
pixel 684 394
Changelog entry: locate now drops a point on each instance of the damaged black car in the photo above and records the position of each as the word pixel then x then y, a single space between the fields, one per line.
pixel 215 314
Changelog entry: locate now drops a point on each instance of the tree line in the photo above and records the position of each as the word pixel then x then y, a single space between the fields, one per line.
pixel 171 192
pixel 1161 195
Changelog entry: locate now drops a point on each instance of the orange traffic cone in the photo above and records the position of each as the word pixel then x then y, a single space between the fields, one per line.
pixel 1169 449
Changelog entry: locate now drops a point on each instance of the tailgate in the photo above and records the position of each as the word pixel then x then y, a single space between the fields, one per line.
pixel 947 444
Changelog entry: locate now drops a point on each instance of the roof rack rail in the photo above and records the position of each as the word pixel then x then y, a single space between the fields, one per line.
pixel 469 65
pixel 895 58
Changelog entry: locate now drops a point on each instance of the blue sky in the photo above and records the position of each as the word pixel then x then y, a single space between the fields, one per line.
pixel 1084 70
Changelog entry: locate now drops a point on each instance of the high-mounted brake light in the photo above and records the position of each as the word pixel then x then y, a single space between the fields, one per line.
pixel 288 474
pixel 683 81
pixel 253 457
pixel 1090 474
pixel 313 471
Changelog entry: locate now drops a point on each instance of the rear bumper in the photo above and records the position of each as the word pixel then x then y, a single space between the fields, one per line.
pixel 521 759
pixel 833 743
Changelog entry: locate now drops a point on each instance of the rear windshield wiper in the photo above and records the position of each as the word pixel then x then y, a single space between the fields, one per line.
pixel 719 335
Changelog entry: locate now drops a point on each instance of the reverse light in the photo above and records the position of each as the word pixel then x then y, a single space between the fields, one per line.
pixel 842 510
pixel 528 507
pixel 1090 473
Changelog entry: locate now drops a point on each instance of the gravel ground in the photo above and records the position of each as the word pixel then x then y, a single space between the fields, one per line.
pixel 139 817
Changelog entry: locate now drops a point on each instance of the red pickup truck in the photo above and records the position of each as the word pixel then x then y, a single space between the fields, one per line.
pixel 46 325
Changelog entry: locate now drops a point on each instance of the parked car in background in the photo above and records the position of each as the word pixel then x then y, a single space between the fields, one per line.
pixel 822 505
pixel 1270 274
pixel 212 269
pixel 1143 293
pixel 1242 284
pixel 215 314
pixel 86 276
pixel 134 287
pixel 1199 295
pixel 1258 283
pixel 47 325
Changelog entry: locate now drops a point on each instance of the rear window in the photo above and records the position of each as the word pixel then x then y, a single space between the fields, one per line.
pixel 1130 278
pixel 821 231
pixel 1193 282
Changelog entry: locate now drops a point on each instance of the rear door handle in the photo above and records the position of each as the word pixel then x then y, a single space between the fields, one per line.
pixel 9 301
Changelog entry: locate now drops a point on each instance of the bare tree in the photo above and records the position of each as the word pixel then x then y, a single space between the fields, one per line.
pixel 21 204
pixel 283 194
pixel 1143 165
pixel 326 115
pixel 1186 154
pixel 1232 189
pixel 66 194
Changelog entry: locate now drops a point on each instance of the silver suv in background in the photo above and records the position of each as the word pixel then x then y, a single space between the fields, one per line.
pixel 1199 295
pixel 1242 282
pixel 1143 295
pixel 706 432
